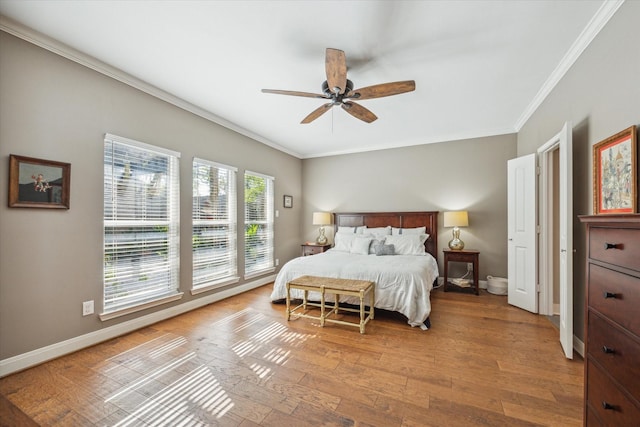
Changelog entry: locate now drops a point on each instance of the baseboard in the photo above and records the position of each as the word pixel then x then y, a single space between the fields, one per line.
pixel 41 355
pixel 578 346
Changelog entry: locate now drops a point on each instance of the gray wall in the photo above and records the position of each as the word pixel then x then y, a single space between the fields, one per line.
pixel 600 95
pixel 458 175
pixel 51 260
pixel 51 108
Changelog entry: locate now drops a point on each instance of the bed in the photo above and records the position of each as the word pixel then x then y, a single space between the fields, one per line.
pixel 404 274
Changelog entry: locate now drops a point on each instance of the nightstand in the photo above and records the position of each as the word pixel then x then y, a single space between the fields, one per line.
pixel 312 249
pixel 466 256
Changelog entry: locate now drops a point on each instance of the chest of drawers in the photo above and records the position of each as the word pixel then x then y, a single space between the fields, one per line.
pixel 612 321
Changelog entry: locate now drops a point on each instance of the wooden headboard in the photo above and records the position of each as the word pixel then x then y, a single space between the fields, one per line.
pixel 394 219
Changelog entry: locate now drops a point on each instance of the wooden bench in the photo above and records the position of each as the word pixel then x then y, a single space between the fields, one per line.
pixel 328 285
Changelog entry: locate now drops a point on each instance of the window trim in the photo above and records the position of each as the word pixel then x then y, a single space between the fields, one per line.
pixel 133 309
pixel 227 280
pixel 172 294
pixel 272 268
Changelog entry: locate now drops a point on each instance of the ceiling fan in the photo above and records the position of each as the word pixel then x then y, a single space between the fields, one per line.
pixel 339 90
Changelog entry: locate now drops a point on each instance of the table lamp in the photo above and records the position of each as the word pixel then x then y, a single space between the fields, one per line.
pixel 321 219
pixel 456 219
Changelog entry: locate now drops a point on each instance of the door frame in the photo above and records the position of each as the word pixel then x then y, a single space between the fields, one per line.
pixel 545 206
pixel 547 179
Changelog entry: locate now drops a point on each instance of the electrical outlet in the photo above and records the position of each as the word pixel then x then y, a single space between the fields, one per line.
pixel 469 266
pixel 277 262
pixel 87 308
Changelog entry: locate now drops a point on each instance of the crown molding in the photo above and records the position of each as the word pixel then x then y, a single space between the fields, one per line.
pixel 34 37
pixel 460 136
pixel 595 25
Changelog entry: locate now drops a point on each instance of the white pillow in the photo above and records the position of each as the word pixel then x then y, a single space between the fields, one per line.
pixel 343 241
pixel 407 244
pixel 418 230
pixel 352 230
pixel 380 231
pixel 360 245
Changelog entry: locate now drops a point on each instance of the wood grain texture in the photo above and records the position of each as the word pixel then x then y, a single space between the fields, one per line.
pixel 238 362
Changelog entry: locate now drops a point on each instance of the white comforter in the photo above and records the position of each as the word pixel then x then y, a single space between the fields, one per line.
pixel 402 282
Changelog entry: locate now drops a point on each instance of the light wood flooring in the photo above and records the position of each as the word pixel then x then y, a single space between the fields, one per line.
pixel 238 362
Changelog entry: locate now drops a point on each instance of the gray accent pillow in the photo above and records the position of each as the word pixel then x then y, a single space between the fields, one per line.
pixel 374 245
pixel 383 249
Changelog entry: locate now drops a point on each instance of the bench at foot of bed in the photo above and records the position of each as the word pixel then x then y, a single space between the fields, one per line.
pixel 337 287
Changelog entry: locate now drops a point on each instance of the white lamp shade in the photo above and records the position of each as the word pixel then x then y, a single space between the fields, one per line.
pixel 321 218
pixel 456 219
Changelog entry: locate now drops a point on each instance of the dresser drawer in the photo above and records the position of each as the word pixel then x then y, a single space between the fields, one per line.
pixel 615 351
pixel 623 301
pixel 624 254
pixel 605 399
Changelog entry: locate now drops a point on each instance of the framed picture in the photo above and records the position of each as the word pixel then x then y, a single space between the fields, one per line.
pixel 288 201
pixel 37 183
pixel 615 168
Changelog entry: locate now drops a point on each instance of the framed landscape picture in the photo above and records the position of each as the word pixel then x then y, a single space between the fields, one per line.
pixel 615 169
pixel 37 183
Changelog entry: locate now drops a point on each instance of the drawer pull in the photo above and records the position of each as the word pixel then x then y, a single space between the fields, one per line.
pixel 607 350
pixel 611 246
pixel 607 406
pixel 610 295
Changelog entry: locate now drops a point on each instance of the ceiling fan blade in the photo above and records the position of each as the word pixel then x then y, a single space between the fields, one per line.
pixel 359 112
pixel 294 93
pixel 336 67
pixel 317 113
pixel 384 89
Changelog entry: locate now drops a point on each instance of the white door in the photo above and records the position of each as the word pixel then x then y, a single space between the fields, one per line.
pixel 566 240
pixel 522 234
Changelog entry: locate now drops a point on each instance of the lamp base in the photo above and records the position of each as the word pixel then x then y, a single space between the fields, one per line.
pixel 456 244
pixel 322 239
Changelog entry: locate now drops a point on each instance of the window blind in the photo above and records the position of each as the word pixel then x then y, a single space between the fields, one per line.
pixel 258 222
pixel 214 231
pixel 141 223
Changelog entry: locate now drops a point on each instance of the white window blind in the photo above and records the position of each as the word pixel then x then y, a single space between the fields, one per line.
pixel 258 223
pixel 214 229
pixel 141 223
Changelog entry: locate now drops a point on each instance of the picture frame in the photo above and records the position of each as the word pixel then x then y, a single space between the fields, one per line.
pixel 287 201
pixel 615 174
pixel 38 183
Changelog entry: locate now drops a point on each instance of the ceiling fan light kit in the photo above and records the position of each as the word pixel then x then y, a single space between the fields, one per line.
pixel 339 90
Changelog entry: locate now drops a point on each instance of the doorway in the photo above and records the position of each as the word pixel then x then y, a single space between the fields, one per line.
pixel 555 266
pixel 550 241
pixel 542 254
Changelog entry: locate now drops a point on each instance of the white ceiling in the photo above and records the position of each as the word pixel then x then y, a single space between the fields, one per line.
pixel 481 67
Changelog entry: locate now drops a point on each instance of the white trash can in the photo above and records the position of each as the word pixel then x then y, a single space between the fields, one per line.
pixel 497 285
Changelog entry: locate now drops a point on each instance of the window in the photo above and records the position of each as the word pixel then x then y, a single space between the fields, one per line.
pixel 258 224
pixel 141 223
pixel 214 225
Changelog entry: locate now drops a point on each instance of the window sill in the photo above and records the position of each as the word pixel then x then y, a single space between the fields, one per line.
pixel 259 273
pixel 123 312
pixel 214 285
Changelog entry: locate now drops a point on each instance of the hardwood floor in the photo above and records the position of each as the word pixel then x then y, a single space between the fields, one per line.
pixel 238 362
